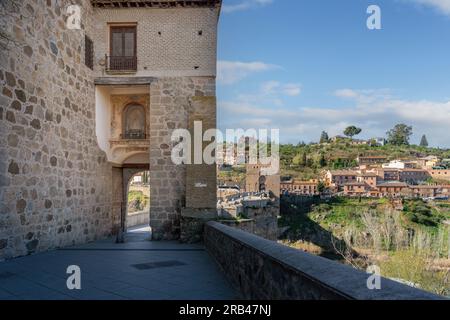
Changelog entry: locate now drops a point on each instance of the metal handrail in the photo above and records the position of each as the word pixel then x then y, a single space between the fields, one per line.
pixel 122 63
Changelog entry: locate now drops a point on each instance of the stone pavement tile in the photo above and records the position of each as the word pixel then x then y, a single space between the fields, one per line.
pixel 5 295
pixel 108 272
pixel 137 293
pixel 88 292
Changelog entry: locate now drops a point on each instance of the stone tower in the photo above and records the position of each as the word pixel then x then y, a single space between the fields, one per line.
pixel 83 109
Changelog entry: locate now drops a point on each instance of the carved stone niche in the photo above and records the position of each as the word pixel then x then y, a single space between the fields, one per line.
pixel 130 118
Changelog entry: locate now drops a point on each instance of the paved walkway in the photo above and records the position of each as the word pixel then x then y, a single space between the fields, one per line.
pixel 137 270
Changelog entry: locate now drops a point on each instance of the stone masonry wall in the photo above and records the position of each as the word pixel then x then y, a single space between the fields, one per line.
pixel 55 183
pixel 171 102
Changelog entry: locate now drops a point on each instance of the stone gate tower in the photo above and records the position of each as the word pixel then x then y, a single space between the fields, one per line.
pixel 83 109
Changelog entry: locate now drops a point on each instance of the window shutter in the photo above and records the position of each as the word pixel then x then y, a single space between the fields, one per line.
pixel 88 53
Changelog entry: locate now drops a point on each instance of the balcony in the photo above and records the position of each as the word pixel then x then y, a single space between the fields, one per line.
pixel 134 135
pixel 114 64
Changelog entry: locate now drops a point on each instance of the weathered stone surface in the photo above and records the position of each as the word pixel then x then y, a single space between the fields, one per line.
pixel 13 140
pixel 10 116
pixel 21 205
pixel 48 204
pixel 53 161
pixel 13 167
pixel 35 123
pixel 29 109
pixel 54 48
pixel 10 79
pixel 21 95
pixel 16 105
pixel 3 243
pixel 6 92
pixel 32 245
pixel 28 51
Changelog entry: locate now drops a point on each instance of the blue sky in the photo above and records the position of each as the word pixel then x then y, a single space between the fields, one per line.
pixel 304 66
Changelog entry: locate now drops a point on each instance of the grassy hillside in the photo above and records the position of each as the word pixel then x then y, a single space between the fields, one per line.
pixel 306 161
pixel 377 232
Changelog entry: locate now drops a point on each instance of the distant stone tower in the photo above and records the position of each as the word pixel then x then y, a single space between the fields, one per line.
pixel 257 181
pixel 82 110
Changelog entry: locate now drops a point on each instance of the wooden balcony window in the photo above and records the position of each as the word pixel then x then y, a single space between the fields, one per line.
pixel 123 55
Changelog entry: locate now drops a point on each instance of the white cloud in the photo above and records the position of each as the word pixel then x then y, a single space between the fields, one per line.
pixel 376 113
pixel 230 72
pixel 442 6
pixel 292 89
pixel 245 5
pixel 346 93
pixel 277 88
pixel 363 96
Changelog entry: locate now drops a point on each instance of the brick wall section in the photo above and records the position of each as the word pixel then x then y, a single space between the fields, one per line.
pixel 168 40
pixel 264 270
pixel 54 180
pixel 170 105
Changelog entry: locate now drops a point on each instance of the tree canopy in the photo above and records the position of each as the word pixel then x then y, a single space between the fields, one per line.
pixel 324 137
pixel 399 135
pixel 352 131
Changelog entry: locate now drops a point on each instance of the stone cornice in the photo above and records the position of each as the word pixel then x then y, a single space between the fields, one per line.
pixel 156 4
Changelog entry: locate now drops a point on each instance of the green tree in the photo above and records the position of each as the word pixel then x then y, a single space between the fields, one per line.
pixel 399 135
pixel 424 141
pixel 352 131
pixel 303 159
pixel 321 187
pixel 324 137
pixel 322 160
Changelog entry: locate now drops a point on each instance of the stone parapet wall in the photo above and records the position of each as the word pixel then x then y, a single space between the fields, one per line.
pixel 264 270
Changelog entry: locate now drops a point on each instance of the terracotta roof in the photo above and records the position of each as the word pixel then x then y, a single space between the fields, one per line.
pixel 372 157
pixel 355 184
pixel 343 172
pixel 392 184
pixel 412 170
pixel 425 187
pixel 368 174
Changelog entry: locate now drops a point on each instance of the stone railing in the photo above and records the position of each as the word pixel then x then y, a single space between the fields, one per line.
pixel 138 218
pixel 264 270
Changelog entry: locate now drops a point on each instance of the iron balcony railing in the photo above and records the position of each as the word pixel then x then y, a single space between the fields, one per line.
pixel 134 135
pixel 120 63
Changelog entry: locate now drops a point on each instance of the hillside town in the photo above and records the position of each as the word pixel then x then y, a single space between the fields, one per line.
pixel 376 177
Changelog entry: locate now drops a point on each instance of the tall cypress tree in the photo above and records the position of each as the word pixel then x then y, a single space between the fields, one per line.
pixel 424 141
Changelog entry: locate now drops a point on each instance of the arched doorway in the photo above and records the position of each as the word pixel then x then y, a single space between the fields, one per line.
pixel 135 212
pixel 135 202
